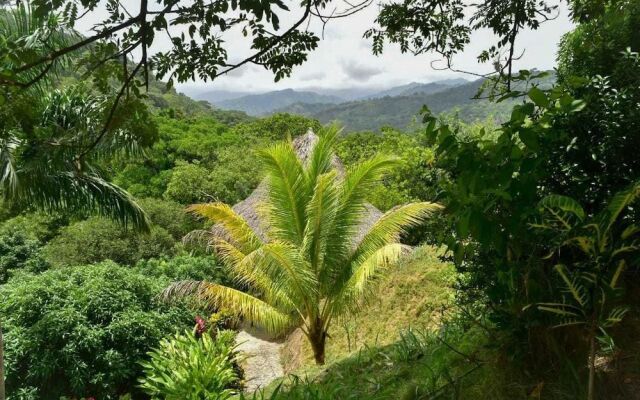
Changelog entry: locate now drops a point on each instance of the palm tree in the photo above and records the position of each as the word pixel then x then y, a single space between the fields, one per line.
pixel 314 265
pixel 52 141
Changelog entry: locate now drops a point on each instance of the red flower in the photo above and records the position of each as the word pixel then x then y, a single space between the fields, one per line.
pixel 201 326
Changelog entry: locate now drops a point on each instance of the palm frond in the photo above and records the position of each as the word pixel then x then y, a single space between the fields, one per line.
pixel 234 225
pixel 8 174
pixel 387 230
pixel 321 159
pixel 234 301
pixel 86 193
pixel 287 191
pixel 352 211
pixel 33 37
pixel 622 265
pixel 356 289
pixel 296 271
pixel 577 290
pixel 391 225
pixel 321 213
pixel 361 178
pixel 560 213
pixel 615 316
pixel 258 271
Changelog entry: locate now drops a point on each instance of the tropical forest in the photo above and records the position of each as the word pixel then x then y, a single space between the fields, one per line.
pixel 319 199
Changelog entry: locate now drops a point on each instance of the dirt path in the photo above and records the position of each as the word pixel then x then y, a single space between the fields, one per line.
pixel 262 358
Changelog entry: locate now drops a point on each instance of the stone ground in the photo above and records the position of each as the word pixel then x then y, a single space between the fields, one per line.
pixel 260 358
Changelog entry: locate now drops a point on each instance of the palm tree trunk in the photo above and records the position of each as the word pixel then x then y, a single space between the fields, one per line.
pixel 317 338
pixel 2 394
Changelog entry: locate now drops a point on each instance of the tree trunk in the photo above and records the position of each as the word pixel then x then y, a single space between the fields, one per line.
pixel 2 394
pixel 592 365
pixel 318 340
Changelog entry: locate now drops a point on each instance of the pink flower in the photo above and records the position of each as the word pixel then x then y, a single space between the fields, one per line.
pixel 201 326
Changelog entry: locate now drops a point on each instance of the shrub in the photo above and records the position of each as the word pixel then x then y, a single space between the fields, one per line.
pixel 187 367
pixel 169 215
pixel 19 252
pixel 189 183
pixel 82 331
pixel 97 239
pixel 232 178
pixel 184 267
pixel 36 225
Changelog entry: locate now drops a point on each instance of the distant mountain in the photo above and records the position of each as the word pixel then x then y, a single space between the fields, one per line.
pixel 264 103
pixel 346 94
pixel 399 111
pixel 417 88
pixel 216 96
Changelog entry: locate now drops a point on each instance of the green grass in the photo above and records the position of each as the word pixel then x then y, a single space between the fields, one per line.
pixel 401 347
pixel 412 295
pixel 397 347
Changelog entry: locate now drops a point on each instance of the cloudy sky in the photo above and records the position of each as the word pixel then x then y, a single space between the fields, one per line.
pixel 344 59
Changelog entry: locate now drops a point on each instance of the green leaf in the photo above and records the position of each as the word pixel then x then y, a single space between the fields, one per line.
pixel 530 139
pixel 538 97
pixel 561 209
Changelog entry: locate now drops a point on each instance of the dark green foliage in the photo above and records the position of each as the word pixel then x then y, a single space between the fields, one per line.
pixel 36 225
pixel 199 159
pixel 600 249
pixel 185 267
pixel 277 127
pixel 594 46
pixel 170 216
pixel 39 171
pixel 81 331
pixel 19 252
pixel 189 184
pixel 234 176
pixel 599 63
pixel 97 239
pixel 491 194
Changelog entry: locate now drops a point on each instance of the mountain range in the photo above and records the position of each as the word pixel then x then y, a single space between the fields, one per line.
pixel 265 103
pixel 361 109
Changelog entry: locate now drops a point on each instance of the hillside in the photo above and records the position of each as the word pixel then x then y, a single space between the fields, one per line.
pixel 259 104
pixel 161 98
pixel 400 111
pixel 289 99
pixel 416 88
pixel 396 347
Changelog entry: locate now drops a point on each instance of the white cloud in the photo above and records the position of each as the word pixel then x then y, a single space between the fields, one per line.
pixel 359 72
pixel 344 58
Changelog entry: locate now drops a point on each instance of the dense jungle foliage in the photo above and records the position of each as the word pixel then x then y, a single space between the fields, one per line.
pixel 528 276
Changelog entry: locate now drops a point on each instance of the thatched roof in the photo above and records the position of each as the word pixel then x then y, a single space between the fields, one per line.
pixel 249 207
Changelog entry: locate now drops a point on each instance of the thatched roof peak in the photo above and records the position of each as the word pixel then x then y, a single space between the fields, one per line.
pixel 304 144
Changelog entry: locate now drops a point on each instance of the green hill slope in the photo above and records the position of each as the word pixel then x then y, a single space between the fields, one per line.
pixel 259 104
pixel 401 111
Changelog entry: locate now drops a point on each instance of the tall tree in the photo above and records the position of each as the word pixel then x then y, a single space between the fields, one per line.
pixel 52 141
pixel 315 264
